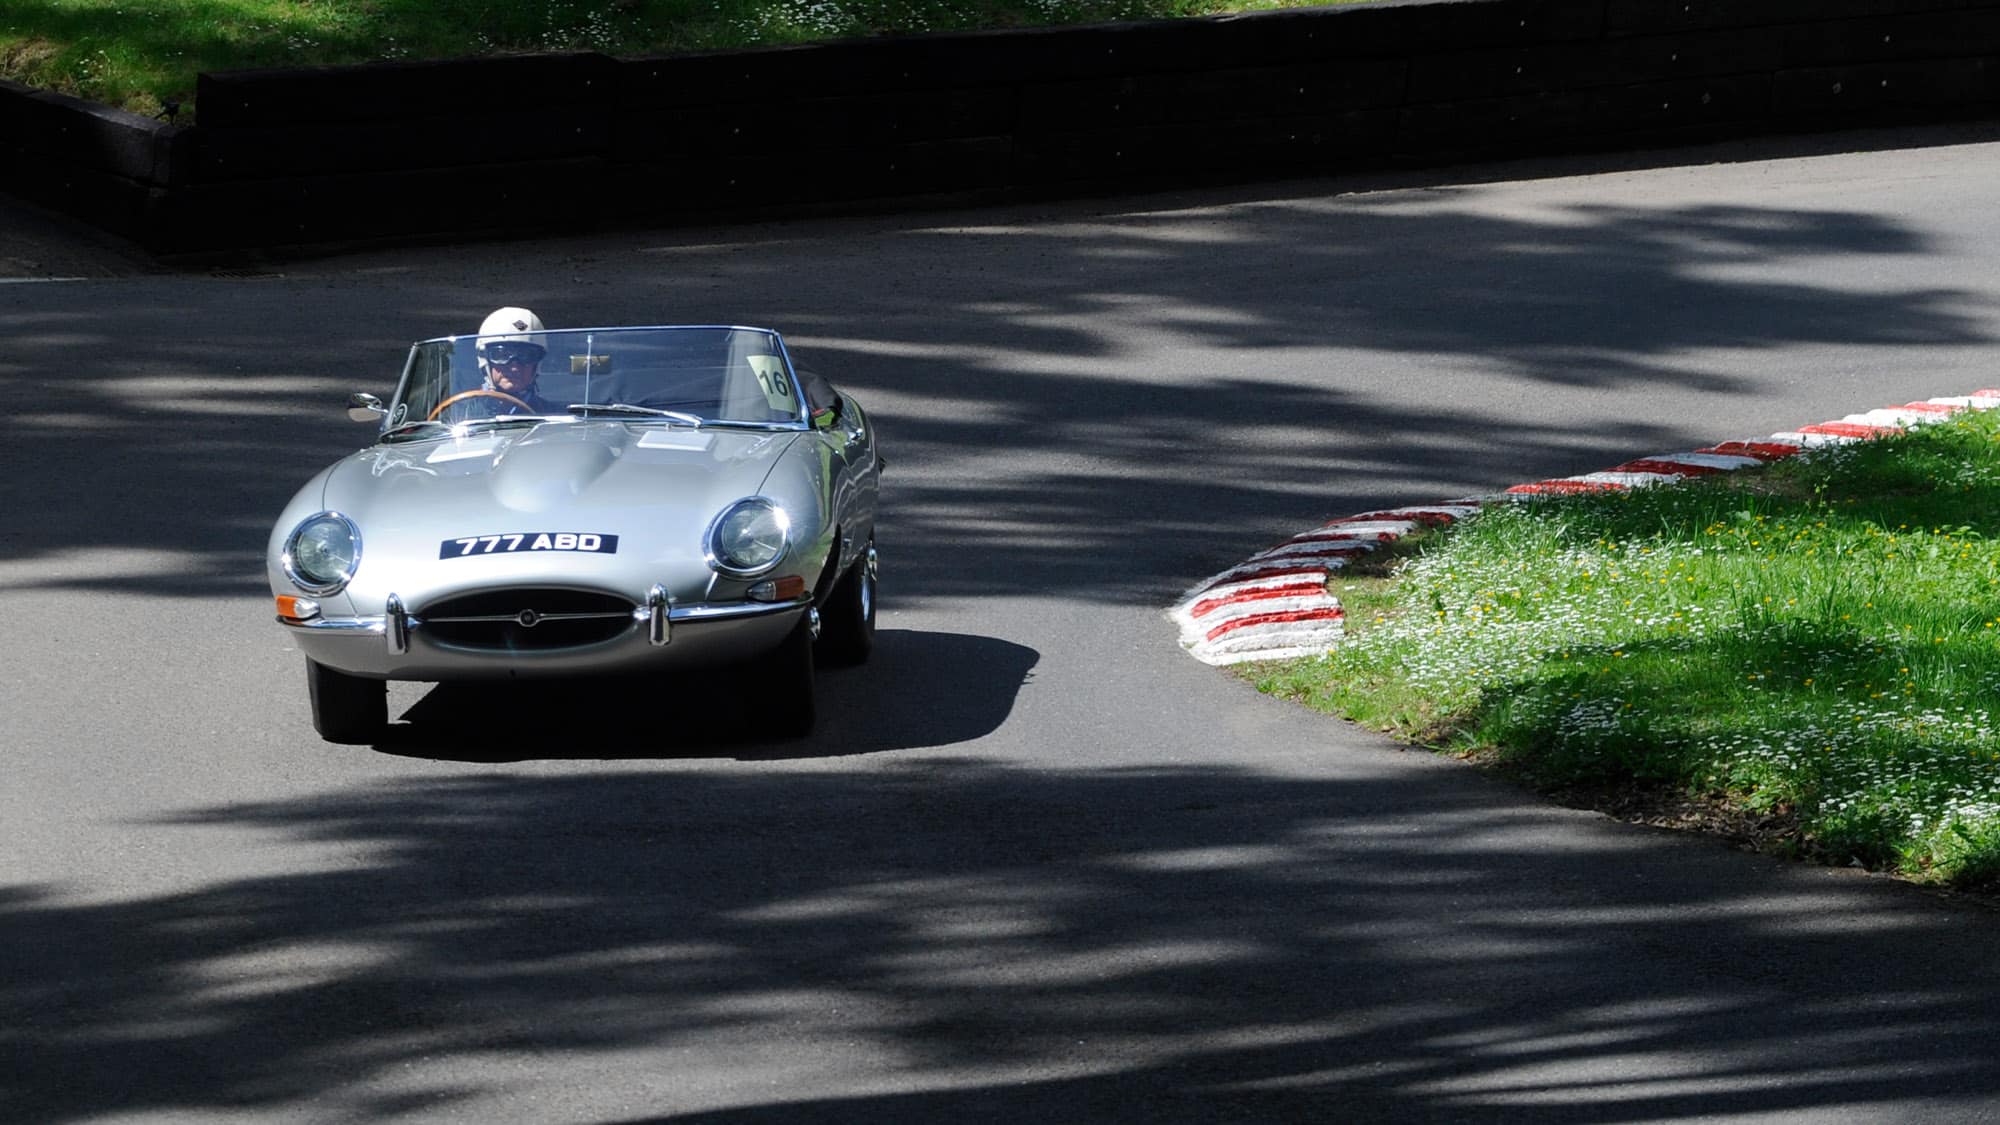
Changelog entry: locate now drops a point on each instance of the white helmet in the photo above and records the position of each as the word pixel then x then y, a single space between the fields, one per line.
pixel 511 323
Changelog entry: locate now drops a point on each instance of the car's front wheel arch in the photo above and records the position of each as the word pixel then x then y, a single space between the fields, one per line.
pixel 847 634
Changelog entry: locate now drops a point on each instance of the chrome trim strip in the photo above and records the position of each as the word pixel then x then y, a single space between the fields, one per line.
pixel 676 614
pixel 737 609
pixel 798 382
pixel 615 328
pixel 539 617
pixel 338 624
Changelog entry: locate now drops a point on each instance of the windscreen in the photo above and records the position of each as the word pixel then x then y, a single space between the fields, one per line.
pixel 712 374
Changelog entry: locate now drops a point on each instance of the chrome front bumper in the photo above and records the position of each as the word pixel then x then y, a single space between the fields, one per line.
pixel 393 645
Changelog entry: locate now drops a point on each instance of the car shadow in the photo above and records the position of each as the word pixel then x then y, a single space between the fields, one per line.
pixel 919 689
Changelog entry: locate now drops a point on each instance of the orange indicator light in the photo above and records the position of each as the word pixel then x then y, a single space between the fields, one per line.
pixel 778 589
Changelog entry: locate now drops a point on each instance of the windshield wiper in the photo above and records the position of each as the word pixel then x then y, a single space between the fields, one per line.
pixel 431 427
pixel 502 421
pixel 628 408
pixel 747 424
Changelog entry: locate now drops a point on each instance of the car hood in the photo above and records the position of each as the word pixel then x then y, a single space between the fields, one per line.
pixel 655 487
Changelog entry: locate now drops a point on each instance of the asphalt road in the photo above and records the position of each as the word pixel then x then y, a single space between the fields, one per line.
pixel 1037 864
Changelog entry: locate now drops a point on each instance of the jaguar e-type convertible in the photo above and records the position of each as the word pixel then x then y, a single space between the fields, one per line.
pixel 643 500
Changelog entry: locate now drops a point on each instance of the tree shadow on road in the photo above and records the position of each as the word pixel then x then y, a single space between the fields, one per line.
pixel 1092 402
pixel 951 938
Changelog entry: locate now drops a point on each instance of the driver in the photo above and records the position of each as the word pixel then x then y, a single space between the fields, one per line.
pixel 510 348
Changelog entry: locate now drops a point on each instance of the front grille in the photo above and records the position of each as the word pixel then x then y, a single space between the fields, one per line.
pixel 527 620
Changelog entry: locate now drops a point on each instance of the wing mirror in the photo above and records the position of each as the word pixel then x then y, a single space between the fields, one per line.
pixel 365 408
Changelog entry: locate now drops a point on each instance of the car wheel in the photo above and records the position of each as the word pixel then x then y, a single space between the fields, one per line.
pixel 783 694
pixel 351 709
pixel 847 632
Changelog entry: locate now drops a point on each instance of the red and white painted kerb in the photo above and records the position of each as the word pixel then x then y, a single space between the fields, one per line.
pixel 1275 605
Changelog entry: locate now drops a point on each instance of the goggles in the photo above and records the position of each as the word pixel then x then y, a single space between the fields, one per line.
pixel 505 351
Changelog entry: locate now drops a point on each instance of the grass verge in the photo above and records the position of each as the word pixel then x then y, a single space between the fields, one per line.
pixel 142 55
pixel 1805 655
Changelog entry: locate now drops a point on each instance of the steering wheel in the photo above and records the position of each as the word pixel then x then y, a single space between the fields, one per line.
pixel 477 392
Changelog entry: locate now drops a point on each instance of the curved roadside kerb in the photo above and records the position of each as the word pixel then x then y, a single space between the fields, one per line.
pixel 1276 604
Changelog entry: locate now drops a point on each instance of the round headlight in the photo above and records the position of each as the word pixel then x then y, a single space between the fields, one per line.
pixel 322 552
pixel 749 537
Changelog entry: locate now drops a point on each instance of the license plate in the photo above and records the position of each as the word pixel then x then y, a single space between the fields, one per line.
pixel 513 541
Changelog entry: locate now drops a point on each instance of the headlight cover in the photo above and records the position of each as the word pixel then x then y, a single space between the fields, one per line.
pixel 322 552
pixel 749 538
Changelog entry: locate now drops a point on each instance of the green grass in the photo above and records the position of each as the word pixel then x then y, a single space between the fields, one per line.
pixel 1816 642
pixel 142 54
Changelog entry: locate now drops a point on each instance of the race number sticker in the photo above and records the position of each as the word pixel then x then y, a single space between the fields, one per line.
pixel 514 541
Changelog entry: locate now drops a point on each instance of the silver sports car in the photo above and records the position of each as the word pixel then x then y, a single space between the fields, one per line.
pixel 639 500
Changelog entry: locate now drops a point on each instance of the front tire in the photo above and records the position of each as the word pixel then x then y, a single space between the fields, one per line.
pixel 783 693
pixel 847 633
pixel 347 709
